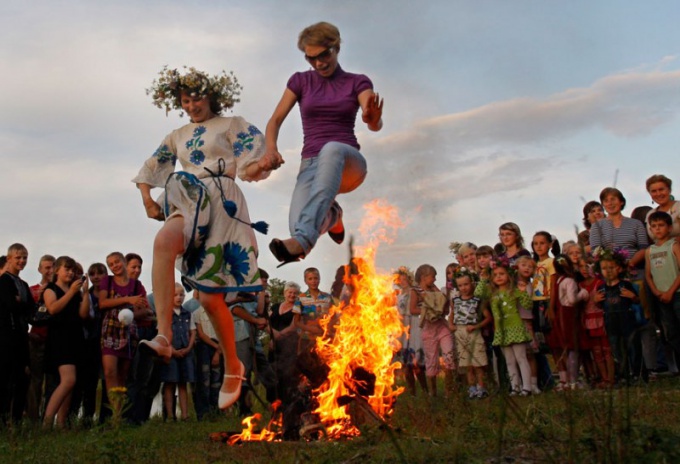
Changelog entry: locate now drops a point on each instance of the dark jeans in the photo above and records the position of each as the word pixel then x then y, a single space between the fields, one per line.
pixel 14 378
pixel 144 381
pixel 208 380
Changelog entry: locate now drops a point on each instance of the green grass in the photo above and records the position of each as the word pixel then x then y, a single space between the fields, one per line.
pixel 626 425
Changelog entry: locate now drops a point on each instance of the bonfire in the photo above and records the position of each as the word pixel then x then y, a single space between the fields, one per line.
pixel 360 339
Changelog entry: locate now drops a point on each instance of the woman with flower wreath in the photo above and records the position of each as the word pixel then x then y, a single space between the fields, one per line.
pixel 207 232
pixel 329 99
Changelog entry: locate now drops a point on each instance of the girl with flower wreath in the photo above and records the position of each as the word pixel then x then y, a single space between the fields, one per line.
pixel 510 333
pixel 207 232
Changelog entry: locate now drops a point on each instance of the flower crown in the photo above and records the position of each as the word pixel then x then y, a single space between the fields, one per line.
pixel 617 254
pixel 464 272
pixel 454 247
pixel 165 90
pixel 404 271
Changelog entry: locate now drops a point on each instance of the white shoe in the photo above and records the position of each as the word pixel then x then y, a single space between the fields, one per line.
pixel 162 350
pixel 226 399
pixel 536 391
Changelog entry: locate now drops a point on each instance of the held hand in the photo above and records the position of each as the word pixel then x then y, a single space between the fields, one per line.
pixel 373 112
pixel 666 297
pixel 135 300
pixel 75 285
pixel 153 210
pixel 215 361
pixel 599 297
pixel 271 160
pixel 470 328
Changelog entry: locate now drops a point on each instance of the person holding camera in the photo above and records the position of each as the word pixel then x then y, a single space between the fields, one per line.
pixel 64 300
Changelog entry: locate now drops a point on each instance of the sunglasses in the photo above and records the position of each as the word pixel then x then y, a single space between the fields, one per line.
pixel 324 56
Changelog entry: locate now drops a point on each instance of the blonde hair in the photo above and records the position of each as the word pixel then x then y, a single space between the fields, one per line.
pixel 321 34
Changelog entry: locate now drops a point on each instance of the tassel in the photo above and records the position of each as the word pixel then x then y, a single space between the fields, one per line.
pixel 229 207
pixel 260 226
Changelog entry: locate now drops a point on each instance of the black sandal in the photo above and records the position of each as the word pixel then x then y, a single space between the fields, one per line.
pixel 281 253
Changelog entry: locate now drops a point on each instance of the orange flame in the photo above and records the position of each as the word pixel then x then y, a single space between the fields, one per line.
pixel 360 336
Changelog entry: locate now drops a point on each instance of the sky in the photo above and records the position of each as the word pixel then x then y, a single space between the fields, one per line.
pixel 494 111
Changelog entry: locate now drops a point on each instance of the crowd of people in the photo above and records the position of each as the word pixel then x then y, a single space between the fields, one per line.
pixel 606 308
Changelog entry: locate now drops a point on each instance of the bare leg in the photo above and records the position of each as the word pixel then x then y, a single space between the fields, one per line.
pixel 67 375
pixel 183 400
pixel 169 244
pixel 110 367
pixel 168 400
pixel 223 322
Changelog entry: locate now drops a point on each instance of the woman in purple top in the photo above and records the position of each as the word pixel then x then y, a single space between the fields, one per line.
pixel 329 99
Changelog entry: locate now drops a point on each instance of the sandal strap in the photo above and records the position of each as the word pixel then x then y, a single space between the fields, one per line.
pixel 234 376
pixel 164 338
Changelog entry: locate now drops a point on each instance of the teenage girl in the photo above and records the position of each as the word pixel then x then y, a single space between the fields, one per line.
pixel 512 242
pixel 116 293
pixel 510 333
pixel 65 302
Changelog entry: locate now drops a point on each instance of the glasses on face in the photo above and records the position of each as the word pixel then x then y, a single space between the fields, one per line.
pixel 324 56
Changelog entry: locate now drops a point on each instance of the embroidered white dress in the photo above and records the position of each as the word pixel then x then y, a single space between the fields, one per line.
pixel 220 247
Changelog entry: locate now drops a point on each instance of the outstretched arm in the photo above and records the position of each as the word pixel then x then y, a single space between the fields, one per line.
pixel 371 107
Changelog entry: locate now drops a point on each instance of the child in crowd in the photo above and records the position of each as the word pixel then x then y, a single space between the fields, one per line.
pixel 484 255
pixel 467 256
pixel 119 341
pixel 413 356
pixel 616 297
pixel 565 318
pixel 510 333
pixel 180 370
pixel 430 303
pixel 67 306
pixel 466 322
pixel 526 268
pixel 593 327
pixel 663 276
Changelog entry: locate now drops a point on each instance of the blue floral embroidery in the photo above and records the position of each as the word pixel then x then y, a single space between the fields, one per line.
pixel 197 157
pixel 236 262
pixel 164 155
pixel 245 140
pixel 194 256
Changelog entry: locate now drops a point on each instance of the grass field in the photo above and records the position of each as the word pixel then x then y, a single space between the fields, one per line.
pixel 637 424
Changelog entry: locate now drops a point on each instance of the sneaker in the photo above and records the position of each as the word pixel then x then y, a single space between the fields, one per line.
pixel 525 393
pixel 482 393
pixel 472 392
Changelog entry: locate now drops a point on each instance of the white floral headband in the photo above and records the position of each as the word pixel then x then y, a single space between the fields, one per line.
pixel 223 88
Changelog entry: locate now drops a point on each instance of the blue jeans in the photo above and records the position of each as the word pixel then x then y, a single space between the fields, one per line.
pixel 338 168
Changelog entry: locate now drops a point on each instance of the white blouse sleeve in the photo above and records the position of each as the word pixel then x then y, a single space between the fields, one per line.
pixel 159 166
pixel 248 144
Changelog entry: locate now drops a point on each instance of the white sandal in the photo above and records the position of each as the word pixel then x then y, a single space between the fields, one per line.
pixel 227 399
pixel 162 351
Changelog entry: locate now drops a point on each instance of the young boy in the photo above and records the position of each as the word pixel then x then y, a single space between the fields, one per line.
pixel 663 276
pixel 466 322
pixel 617 297
pixel 16 303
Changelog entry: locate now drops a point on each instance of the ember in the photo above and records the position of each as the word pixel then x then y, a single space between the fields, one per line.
pixel 360 338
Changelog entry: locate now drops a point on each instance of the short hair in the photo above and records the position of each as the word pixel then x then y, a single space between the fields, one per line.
pixel 44 258
pixel 16 247
pixel 658 178
pixel 587 209
pixel 484 250
pixel 321 34
pixel 264 274
pixel 613 191
pixel 96 267
pixel 526 258
pixel 423 270
pixel 291 285
pixel 130 256
pixel 3 261
pixel 116 253
pixel 467 247
pixel 311 269
pixel 660 216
